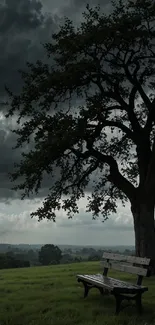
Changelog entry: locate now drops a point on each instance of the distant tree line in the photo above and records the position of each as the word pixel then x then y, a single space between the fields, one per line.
pixel 8 261
pixel 14 257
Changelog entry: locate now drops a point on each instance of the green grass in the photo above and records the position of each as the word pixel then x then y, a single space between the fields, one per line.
pixel 52 296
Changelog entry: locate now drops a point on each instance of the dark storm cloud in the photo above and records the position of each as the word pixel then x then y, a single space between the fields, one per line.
pixel 20 15
pixel 23 28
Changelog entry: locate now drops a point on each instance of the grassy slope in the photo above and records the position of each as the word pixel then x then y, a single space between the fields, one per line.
pixel 51 296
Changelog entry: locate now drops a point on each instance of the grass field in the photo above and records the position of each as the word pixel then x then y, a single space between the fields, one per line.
pixel 52 296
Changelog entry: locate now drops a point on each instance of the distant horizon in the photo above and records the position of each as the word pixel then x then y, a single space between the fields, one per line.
pixel 86 245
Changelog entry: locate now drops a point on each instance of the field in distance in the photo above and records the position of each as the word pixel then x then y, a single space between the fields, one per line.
pixel 51 296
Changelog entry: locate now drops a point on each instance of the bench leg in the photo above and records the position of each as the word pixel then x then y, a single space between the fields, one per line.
pixel 87 287
pixel 139 303
pixel 118 304
pixel 120 298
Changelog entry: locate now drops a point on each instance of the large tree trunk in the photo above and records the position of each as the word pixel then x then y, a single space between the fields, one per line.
pixel 143 215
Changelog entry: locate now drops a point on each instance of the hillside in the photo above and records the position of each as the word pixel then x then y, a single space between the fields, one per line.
pixel 52 296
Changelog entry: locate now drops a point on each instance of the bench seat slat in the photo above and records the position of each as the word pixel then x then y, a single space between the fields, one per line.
pixel 124 268
pixel 112 284
pixel 96 279
pixel 128 259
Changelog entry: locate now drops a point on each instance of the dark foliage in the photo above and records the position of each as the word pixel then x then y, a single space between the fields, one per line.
pixel 50 254
pixel 9 261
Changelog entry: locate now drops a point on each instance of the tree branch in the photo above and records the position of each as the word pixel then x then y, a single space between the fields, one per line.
pixel 121 126
pixel 137 84
pixel 115 176
pixel 89 170
pixel 131 114
pixel 115 107
pixel 105 123
pixel 112 94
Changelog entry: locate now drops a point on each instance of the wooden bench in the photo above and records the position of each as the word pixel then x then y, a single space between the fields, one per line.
pixel 121 290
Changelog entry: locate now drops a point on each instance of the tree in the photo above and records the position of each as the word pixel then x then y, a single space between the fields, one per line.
pixel 49 254
pixel 93 110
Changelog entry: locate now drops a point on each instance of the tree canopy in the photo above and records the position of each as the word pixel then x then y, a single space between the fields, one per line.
pixel 92 109
pixel 50 254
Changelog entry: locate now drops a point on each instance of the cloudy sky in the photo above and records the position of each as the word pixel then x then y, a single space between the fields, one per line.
pixel 24 25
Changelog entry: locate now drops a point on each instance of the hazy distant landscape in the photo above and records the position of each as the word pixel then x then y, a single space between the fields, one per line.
pixel 23 255
pixel 120 248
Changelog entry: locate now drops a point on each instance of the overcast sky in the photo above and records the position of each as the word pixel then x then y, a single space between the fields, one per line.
pixel 24 25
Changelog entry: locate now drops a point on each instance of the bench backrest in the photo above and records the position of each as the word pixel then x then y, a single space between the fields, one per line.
pixel 129 264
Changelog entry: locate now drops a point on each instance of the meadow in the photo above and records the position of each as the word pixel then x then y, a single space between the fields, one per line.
pixel 52 296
